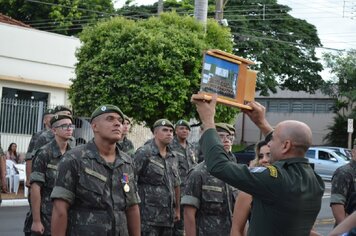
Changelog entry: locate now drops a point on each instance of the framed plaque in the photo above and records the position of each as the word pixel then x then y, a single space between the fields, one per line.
pixel 228 76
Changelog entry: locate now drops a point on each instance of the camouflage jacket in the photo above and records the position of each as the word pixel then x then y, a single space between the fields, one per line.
pixel 126 146
pixel 38 140
pixel 98 192
pixel 186 160
pixel 343 183
pixel 213 199
pixel 157 179
pixel 44 172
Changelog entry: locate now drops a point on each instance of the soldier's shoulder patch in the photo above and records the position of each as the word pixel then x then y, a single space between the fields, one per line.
pixel 257 169
pixel 272 171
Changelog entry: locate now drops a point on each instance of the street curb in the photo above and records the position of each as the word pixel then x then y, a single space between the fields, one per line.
pixel 14 202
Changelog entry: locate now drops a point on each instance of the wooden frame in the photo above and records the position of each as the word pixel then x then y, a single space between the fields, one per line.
pixel 228 76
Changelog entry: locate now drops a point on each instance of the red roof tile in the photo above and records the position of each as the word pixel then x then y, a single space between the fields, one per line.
pixel 8 20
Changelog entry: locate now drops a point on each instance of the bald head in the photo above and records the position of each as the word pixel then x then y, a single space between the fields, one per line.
pixel 298 132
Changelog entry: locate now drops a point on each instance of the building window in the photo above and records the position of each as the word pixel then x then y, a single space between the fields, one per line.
pixel 297 107
pixel 283 107
pixel 308 107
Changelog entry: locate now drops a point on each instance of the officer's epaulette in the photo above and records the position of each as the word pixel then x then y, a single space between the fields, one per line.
pixel 272 171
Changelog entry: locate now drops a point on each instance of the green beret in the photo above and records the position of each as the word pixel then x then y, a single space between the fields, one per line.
pixel 56 118
pixel 61 108
pixel 183 123
pixel 106 109
pixel 127 118
pixel 231 128
pixel 222 127
pixel 48 111
pixel 162 122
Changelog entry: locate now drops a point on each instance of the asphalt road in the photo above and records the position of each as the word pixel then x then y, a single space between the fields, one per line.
pixel 12 218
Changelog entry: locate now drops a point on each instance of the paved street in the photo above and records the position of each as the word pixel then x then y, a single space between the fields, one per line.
pixel 12 218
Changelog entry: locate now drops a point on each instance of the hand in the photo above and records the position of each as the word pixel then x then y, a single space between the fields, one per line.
pixel 177 216
pixel 37 227
pixel 258 116
pixel 206 111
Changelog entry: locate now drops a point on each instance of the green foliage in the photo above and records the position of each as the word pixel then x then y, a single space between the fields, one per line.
pixel 149 68
pixel 61 16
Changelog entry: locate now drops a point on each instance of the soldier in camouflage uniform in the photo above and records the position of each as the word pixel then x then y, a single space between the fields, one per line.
pixel 126 144
pixel 44 171
pixel 208 202
pixel 158 182
pixel 3 187
pixel 186 160
pixel 95 191
pixel 343 188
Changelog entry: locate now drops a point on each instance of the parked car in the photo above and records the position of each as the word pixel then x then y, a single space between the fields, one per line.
pixel 326 160
pixel 345 151
pixel 246 155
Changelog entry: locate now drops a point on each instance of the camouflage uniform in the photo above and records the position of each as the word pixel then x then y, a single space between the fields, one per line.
pixel 213 199
pixel 44 172
pixel 96 191
pixel 31 145
pixel 127 146
pixel 343 183
pixel 1 163
pixel 157 179
pixel 186 161
pixel 37 141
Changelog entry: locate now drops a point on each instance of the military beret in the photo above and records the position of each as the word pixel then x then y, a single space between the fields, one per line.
pixel 231 128
pixel 61 108
pixel 127 118
pixel 162 122
pixel 56 118
pixel 106 109
pixel 183 123
pixel 48 111
pixel 222 127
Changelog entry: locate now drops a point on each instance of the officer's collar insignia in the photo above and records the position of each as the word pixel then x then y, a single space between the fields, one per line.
pixel 273 171
pixel 163 122
pixel 103 108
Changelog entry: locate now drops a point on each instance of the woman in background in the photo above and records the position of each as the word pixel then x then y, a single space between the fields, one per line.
pixel 12 154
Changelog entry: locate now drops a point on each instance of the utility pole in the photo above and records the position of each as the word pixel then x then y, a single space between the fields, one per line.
pixel 219 10
pixel 201 11
pixel 160 7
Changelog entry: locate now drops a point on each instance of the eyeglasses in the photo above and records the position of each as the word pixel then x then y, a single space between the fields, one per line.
pixel 228 137
pixel 66 126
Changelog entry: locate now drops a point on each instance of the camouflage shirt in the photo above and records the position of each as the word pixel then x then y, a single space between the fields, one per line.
pixel 343 183
pixel 213 199
pixel 37 141
pixel 127 146
pixel 157 179
pixel 186 159
pixel 44 172
pixel 98 192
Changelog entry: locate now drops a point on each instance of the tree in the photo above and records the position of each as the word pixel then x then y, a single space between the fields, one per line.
pixel 343 87
pixel 61 16
pixel 149 68
pixel 283 47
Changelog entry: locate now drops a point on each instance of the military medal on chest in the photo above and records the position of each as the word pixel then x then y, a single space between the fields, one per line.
pixel 125 182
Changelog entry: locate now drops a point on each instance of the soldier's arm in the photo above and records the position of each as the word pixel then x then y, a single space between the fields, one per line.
pixel 242 210
pixel 338 212
pixel 189 220
pixel 37 226
pixel 340 185
pixel 3 171
pixel 345 226
pixel 177 208
pixel 133 220
pixel 59 217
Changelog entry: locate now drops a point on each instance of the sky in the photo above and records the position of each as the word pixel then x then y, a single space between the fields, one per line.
pixel 335 20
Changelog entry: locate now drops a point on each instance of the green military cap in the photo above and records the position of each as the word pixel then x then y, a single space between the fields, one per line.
pixel 48 111
pixel 183 123
pixel 106 109
pixel 56 118
pixel 127 118
pixel 162 122
pixel 61 108
pixel 222 127
pixel 231 128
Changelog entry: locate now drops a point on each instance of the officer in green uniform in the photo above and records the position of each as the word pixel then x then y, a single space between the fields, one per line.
pixel 184 150
pixel 286 195
pixel 95 191
pixel 44 171
pixel 208 202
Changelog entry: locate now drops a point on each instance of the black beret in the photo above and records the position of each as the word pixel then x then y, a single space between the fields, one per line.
pixel 106 109
pixel 56 118
pixel 222 127
pixel 48 111
pixel 183 123
pixel 162 122
pixel 61 108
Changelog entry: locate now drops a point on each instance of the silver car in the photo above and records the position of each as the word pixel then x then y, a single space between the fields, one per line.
pixel 326 161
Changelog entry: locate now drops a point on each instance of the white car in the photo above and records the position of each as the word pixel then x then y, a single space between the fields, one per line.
pixel 326 161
